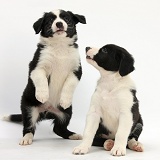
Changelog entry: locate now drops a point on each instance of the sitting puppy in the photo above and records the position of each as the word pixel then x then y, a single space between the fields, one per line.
pixel 54 73
pixel 113 120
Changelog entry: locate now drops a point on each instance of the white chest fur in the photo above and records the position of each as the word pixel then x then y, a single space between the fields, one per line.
pixel 57 60
pixel 114 98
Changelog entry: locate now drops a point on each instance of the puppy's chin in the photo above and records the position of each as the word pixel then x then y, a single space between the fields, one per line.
pixel 92 62
pixel 60 34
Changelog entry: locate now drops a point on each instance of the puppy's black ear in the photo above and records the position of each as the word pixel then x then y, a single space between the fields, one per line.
pixel 126 64
pixel 38 25
pixel 78 18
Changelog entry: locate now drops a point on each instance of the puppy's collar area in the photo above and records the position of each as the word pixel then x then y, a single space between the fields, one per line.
pixel 54 42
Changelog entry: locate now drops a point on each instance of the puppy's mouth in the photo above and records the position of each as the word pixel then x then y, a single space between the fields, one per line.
pixel 60 31
pixel 88 57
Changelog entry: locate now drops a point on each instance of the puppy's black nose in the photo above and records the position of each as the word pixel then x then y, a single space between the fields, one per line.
pixel 88 48
pixel 59 25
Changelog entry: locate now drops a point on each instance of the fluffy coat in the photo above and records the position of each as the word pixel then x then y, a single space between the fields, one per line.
pixel 54 73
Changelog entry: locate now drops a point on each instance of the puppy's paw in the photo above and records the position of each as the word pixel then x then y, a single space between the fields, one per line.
pixel 42 94
pixel 135 145
pixel 27 139
pixel 81 149
pixel 118 151
pixel 75 137
pixel 65 102
pixel 108 144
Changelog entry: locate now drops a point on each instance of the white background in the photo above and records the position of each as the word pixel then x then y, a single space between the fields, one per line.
pixel 132 24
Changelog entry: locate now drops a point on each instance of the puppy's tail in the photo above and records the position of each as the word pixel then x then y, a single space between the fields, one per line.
pixel 12 118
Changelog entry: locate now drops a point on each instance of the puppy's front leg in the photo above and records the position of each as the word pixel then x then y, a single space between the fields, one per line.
pixel 125 124
pixel 92 123
pixel 69 88
pixel 40 81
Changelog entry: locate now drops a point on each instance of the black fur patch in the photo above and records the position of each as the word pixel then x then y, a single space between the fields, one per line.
pixel 78 73
pixel 114 58
pixel 137 120
pixel 44 24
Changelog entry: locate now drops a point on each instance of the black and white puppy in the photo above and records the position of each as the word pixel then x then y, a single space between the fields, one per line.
pixel 54 73
pixel 113 120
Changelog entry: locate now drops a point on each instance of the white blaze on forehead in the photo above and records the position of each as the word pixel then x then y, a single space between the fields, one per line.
pixel 56 12
pixel 58 19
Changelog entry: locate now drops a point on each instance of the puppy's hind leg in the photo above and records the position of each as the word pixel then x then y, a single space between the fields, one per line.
pixel 133 143
pixel 98 141
pixel 30 116
pixel 102 142
pixel 108 144
pixel 62 121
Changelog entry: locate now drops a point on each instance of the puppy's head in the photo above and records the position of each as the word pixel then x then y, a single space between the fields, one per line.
pixel 111 58
pixel 58 23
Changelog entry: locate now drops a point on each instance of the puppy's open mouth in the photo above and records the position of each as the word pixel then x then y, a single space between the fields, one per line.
pixel 60 30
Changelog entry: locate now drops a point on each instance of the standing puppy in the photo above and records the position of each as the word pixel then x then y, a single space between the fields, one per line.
pixel 54 74
pixel 113 120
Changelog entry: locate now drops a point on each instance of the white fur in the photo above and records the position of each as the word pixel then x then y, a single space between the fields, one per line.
pixel 58 61
pixel 27 139
pixel 40 81
pixel 75 137
pixel 111 101
pixel 68 90
pixel 5 117
pixel 34 114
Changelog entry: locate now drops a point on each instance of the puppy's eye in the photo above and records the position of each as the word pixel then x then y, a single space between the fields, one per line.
pixel 104 50
pixel 66 18
pixel 51 19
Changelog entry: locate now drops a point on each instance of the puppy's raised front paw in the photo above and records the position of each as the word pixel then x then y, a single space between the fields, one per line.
pixel 42 94
pixel 81 149
pixel 118 151
pixel 65 102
